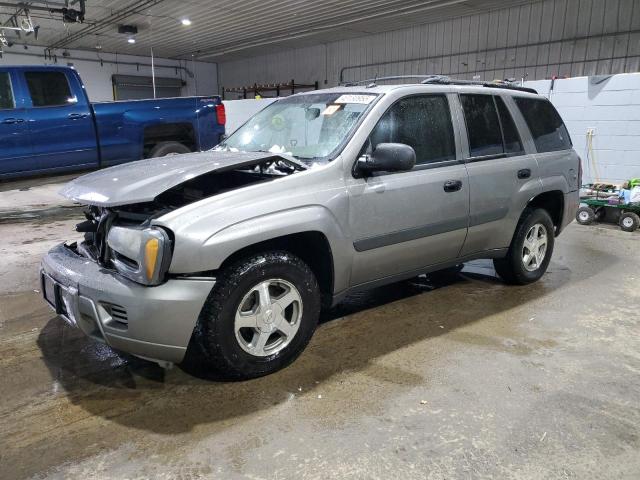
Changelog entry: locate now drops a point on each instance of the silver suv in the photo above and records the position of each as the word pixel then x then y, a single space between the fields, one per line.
pixel 227 256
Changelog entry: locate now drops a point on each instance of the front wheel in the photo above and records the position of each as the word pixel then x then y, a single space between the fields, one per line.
pixel 530 250
pixel 259 316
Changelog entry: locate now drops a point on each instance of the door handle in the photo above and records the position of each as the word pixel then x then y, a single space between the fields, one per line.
pixel 12 120
pixel 452 185
pixel 524 173
pixel 77 116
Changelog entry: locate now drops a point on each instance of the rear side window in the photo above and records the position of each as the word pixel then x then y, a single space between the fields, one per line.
pixel 422 122
pixel 49 89
pixel 6 94
pixel 483 126
pixel 512 142
pixel 548 131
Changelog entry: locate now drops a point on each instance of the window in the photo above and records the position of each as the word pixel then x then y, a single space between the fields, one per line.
pixel 483 126
pixel 546 126
pixel 422 122
pixel 49 89
pixel 6 94
pixel 310 127
pixel 512 143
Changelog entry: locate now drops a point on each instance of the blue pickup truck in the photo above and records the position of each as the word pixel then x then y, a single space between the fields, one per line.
pixel 47 124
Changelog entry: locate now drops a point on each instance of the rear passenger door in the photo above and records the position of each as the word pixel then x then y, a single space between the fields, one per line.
pixel 558 162
pixel 503 176
pixel 403 221
pixel 15 145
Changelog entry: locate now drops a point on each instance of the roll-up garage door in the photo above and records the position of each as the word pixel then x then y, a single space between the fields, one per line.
pixel 131 87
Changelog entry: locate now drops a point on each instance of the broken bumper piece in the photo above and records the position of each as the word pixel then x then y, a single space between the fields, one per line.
pixel 155 323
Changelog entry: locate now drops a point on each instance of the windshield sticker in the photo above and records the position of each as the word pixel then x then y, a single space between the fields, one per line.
pixel 331 109
pixel 363 99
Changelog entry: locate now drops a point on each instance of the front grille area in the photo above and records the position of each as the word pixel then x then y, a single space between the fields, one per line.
pixel 96 229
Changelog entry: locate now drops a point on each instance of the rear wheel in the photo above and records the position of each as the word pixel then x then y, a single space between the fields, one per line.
pixel 629 221
pixel 163 149
pixel 585 216
pixel 259 317
pixel 530 250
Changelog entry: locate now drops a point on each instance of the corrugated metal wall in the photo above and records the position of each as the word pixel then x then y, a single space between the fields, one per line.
pixel 536 41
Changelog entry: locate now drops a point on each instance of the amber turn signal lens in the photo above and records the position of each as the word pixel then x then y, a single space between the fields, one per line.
pixel 151 256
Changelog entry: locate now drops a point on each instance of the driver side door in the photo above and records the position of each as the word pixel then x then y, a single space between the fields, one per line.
pixel 402 222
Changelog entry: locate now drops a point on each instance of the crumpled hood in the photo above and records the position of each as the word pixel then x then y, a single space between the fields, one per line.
pixel 144 180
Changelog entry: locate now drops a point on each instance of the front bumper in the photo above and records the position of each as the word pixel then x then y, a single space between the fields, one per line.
pixel 150 322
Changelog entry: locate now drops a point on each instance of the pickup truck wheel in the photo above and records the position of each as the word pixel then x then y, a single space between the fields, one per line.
pixel 530 250
pixel 163 149
pixel 259 316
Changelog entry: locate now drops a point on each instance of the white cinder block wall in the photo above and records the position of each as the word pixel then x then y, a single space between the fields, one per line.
pixel 610 106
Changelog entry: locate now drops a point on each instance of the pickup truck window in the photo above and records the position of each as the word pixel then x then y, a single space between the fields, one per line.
pixel 6 94
pixel 308 127
pixel 49 89
pixel 422 122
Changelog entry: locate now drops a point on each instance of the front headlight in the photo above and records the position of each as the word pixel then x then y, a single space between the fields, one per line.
pixel 142 255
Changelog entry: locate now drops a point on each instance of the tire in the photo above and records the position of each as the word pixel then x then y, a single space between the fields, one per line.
pixel 629 221
pixel 518 267
pixel 163 149
pixel 585 216
pixel 234 352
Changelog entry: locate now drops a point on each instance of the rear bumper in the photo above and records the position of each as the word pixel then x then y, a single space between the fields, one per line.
pixel 151 322
pixel 571 204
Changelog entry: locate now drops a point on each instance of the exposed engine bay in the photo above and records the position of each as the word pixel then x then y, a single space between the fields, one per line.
pixel 100 220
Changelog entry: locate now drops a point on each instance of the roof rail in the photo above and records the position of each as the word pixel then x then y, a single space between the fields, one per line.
pixel 443 80
pixel 372 81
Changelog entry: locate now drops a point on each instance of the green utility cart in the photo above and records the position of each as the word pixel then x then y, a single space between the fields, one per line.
pixel 598 208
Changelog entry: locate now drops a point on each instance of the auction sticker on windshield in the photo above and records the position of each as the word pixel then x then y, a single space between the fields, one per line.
pixel 349 98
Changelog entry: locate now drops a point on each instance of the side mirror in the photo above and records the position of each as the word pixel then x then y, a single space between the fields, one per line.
pixel 388 157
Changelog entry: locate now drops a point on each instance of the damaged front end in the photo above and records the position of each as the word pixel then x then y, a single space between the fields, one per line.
pixel 122 237
pixel 117 240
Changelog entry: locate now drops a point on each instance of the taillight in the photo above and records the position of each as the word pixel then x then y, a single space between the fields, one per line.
pixel 221 114
pixel 579 172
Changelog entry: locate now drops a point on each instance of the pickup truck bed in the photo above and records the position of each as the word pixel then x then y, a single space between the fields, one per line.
pixel 47 124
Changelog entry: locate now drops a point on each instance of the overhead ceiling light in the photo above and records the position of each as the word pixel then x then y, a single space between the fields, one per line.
pixel 131 40
pixel 186 22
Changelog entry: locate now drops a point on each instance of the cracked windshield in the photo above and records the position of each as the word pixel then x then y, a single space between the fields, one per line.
pixel 307 127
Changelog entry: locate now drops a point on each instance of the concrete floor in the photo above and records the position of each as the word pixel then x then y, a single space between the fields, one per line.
pixel 436 378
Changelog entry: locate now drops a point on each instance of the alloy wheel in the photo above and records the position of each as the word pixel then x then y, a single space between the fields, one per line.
pixel 268 317
pixel 534 248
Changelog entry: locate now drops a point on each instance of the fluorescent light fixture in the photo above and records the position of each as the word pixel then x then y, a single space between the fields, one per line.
pixel 131 40
pixel 186 22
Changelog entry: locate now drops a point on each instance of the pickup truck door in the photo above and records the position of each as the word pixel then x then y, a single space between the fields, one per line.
pixel 15 145
pixel 60 121
pixel 403 222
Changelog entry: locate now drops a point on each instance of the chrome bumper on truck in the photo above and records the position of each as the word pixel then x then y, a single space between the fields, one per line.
pixel 155 323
